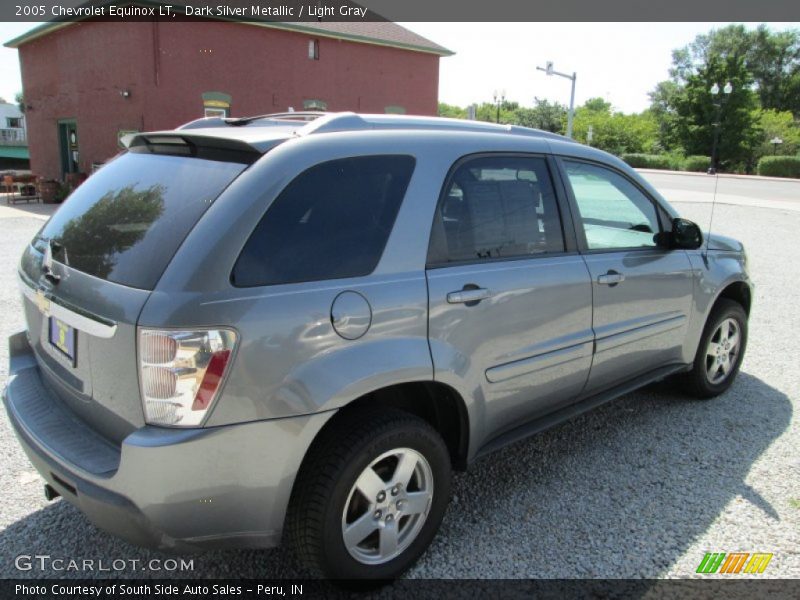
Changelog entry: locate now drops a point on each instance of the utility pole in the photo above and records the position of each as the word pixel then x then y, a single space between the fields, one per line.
pixel 550 71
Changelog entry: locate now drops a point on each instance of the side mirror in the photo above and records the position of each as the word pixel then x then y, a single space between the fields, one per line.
pixel 686 234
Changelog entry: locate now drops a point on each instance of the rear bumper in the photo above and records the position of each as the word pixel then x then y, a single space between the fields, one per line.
pixel 171 489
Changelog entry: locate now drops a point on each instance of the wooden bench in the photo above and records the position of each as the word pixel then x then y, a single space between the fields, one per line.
pixel 16 191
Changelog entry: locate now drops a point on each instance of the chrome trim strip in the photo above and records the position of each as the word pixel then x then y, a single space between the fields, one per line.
pixel 82 321
pixel 547 360
pixel 640 333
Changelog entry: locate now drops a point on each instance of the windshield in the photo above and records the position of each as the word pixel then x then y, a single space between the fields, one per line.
pixel 125 223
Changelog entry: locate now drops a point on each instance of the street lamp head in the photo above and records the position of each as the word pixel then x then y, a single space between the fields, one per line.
pixel 714 90
pixel 728 88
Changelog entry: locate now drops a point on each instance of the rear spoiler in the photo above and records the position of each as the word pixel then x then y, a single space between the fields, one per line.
pixel 209 147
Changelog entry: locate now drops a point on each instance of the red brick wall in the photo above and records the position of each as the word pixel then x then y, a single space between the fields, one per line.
pixel 78 72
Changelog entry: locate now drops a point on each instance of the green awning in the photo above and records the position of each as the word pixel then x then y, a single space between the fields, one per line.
pixel 15 152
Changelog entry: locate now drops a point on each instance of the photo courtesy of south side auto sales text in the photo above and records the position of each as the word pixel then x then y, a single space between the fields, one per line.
pixel 317 10
pixel 120 590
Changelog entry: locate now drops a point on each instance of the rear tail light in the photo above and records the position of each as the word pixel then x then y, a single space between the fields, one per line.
pixel 180 373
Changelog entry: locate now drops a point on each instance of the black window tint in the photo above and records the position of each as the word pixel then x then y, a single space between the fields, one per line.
pixel 331 221
pixel 126 221
pixel 497 207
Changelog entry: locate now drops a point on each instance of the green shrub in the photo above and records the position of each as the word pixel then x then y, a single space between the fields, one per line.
pixel 696 163
pixel 675 160
pixel 780 166
pixel 647 161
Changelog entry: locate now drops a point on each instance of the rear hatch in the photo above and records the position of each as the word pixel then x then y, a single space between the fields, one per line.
pixel 87 274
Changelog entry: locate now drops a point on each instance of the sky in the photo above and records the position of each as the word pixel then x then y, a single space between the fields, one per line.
pixel 620 62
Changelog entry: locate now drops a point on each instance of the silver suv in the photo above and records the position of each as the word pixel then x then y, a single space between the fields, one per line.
pixel 298 325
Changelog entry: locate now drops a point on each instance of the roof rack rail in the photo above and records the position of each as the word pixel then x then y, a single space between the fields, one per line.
pixel 349 121
pixel 313 122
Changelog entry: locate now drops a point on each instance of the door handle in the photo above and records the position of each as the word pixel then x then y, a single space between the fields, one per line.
pixel 611 278
pixel 468 296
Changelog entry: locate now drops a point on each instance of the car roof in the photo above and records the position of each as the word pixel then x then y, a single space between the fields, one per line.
pixel 258 134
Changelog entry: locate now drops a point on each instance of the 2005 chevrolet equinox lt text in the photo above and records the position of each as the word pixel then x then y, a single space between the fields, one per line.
pixel 296 326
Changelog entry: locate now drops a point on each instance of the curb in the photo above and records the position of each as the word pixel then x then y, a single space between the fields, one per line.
pixel 725 175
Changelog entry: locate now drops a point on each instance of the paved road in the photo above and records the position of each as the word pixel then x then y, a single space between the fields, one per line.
pixel 740 191
pixel 642 487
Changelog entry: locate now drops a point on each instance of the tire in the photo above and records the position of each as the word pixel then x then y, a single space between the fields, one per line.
pixel 723 361
pixel 368 448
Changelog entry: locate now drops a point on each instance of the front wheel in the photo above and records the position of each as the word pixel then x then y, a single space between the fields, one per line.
pixel 370 496
pixel 720 352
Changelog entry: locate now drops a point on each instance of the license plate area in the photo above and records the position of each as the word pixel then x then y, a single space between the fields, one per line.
pixel 64 338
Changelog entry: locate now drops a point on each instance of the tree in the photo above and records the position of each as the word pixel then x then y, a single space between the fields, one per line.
pixel 18 98
pixel 663 102
pixel 698 110
pixel 774 61
pixel 452 111
pixel 549 116
pixel 117 221
pixel 598 105
pixel 771 58
pixel 764 69
pixel 776 124
pixel 487 111
pixel 615 132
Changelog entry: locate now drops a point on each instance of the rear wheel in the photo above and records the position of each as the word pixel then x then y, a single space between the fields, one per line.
pixel 370 497
pixel 720 352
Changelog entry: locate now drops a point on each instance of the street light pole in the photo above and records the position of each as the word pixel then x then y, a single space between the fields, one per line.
pixel 714 91
pixel 550 71
pixel 499 98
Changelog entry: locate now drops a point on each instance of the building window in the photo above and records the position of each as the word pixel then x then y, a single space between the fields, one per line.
pixel 216 104
pixel 313 49
pixel 14 122
pixel 315 105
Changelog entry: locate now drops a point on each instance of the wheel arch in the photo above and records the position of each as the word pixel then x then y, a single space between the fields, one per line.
pixel 437 403
pixel 739 291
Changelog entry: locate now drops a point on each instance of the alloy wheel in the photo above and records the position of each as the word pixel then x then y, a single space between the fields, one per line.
pixel 387 506
pixel 723 351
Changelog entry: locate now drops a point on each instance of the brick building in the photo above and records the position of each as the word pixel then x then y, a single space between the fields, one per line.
pixel 87 83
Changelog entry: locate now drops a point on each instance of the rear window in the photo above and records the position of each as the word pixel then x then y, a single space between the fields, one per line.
pixel 125 223
pixel 332 221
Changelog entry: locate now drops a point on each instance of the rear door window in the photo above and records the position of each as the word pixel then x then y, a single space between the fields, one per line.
pixel 332 221
pixel 496 207
pixel 125 223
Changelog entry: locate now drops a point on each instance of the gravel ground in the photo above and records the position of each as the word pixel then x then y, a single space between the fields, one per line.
pixel 641 487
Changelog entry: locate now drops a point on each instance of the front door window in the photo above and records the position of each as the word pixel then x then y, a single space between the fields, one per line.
pixel 614 213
